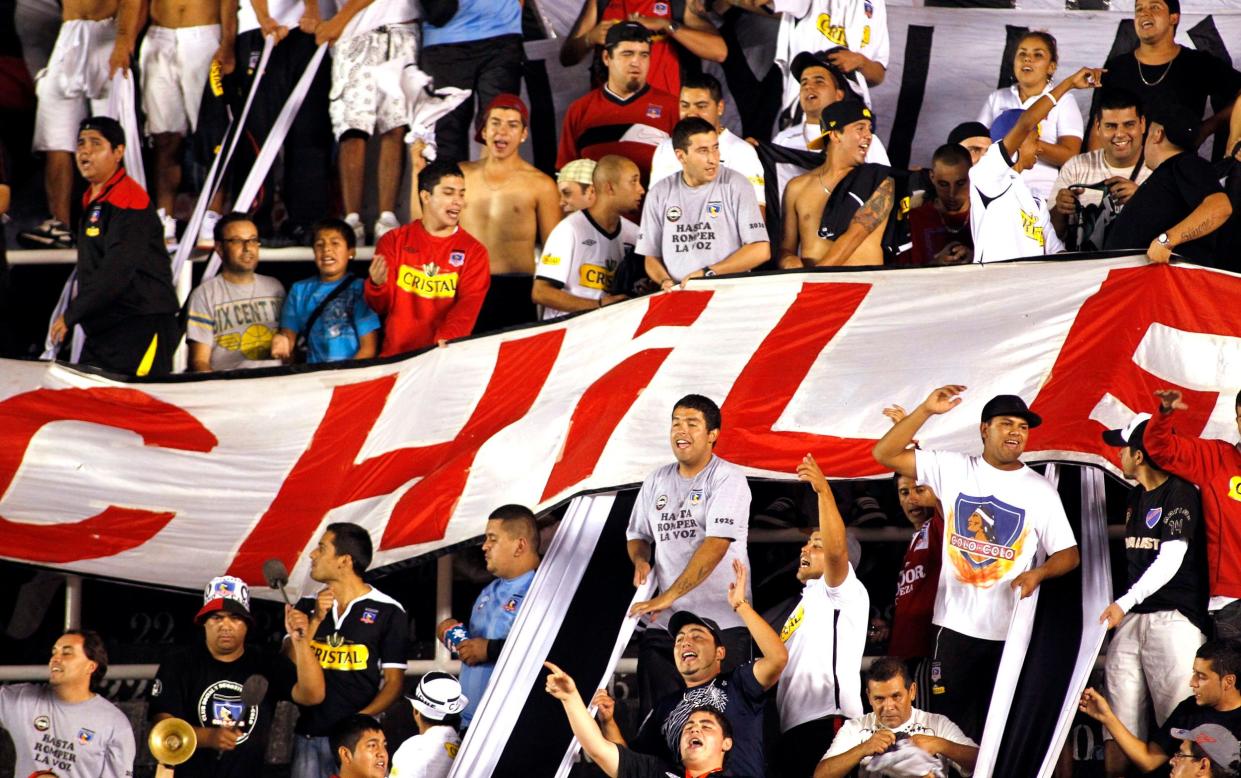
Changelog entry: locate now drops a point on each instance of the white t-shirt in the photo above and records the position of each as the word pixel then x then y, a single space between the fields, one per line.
pixel 794 137
pixel 825 636
pixel 818 25
pixel 735 154
pixel 428 755
pixel 857 731
pixel 581 257
pixel 1092 168
pixel 1007 220
pixel 995 521
pixel 88 739
pixel 1064 119
pixel 676 514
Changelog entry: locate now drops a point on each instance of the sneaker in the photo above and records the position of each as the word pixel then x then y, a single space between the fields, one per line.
pixel 386 223
pixel 170 229
pixel 206 233
pixel 51 234
pixel 359 232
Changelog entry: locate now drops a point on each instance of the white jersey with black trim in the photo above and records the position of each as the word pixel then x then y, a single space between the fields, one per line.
pixel 1007 220
pixel 580 256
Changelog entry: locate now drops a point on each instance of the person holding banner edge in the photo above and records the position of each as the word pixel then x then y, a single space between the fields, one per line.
pixel 1017 506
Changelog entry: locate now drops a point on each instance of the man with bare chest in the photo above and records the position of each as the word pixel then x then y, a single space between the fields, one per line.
pixel 183 41
pixel 512 209
pixel 836 214
pixel 96 40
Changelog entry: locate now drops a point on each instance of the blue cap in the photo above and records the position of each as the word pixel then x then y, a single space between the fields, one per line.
pixel 1004 122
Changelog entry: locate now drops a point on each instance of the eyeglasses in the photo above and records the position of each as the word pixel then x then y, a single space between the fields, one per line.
pixel 1180 755
pixel 250 243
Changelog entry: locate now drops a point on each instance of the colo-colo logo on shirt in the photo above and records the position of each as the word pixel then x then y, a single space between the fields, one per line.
pixel 985 538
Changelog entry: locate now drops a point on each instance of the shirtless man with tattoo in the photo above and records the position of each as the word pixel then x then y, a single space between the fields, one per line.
pixel 818 228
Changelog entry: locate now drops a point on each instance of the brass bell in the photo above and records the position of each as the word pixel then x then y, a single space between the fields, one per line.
pixel 172 741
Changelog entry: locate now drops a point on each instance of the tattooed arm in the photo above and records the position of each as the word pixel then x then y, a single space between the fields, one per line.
pixel 870 217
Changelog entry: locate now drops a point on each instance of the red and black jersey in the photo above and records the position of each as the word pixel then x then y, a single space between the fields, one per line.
pixel 123 266
pixel 599 123
pixel 915 592
pixel 434 290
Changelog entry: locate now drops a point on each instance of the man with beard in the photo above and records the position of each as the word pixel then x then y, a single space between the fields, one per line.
pixel 836 213
pixel 974 605
pixel 625 115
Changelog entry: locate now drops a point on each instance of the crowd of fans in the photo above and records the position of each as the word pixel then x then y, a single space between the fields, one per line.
pixel 988 531
pixel 652 192
pixel 1030 175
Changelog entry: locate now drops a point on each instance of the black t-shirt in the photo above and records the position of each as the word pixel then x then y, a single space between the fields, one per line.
pixel 1173 511
pixel 635 765
pixel 1189 714
pixel 194 686
pixel 370 635
pixel 1172 192
pixel 1189 79
pixel 737 694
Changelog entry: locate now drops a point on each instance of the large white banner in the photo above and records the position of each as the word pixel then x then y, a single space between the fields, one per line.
pixel 173 482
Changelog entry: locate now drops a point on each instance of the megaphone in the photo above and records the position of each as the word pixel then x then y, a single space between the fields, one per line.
pixel 172 741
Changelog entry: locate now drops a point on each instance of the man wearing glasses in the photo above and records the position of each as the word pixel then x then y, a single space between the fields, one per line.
pixel 233 315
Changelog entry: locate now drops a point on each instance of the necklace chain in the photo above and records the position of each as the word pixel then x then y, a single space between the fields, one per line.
pixel 1167 69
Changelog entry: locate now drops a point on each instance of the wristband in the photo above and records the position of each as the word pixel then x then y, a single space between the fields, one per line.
pixel 1052 98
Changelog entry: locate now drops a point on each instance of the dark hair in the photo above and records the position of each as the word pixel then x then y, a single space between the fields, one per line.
pixel 710 411
pixel 349 731
pixel 349 538
pixel 703 81
pixel 519 522
pixel 885 668
pixel 93 647
pixel 726 726
pixel 1113 98
pixel 687 128
pixel 1238 399
pixel 952 154
pixel 231 218
pixel 335 225
pixel 1224 656
pixel 1047 38
pixel 437 171
pixel 626 33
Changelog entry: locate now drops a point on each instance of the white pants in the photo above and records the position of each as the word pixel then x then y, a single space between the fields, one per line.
pixel 76 73
pixel 175 65
pixel 1150 652
pixel 356 101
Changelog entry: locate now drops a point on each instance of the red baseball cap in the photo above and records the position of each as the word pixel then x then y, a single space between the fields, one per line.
pixel 503 100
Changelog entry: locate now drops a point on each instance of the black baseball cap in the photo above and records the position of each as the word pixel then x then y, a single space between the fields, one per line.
pixel 1130 436
pixel 682 618
pixel 1010 405
pixel 968 130
pixel 837 116
pixel 1179 126
pixel 813 59
pixel 626 31
pixel 106 126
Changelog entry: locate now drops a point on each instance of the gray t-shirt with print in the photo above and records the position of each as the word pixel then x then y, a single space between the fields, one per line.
pixel 692 227
pixel 676 513
pixel 237 320
pixel 90 739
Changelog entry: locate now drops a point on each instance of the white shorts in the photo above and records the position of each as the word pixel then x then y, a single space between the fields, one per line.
pixel 77 72
pixel 356 102
pixel 175 65
pixel 1150 652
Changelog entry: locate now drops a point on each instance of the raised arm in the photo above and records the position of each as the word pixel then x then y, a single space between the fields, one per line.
pixel 892 451
pixel 1146 756
pixel 775 656
pixel 1084 78
pixel 602 751
pixel 831 525
pixel 310 688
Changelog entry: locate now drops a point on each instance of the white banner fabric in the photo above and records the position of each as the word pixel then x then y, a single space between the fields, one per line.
pixel 173 482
